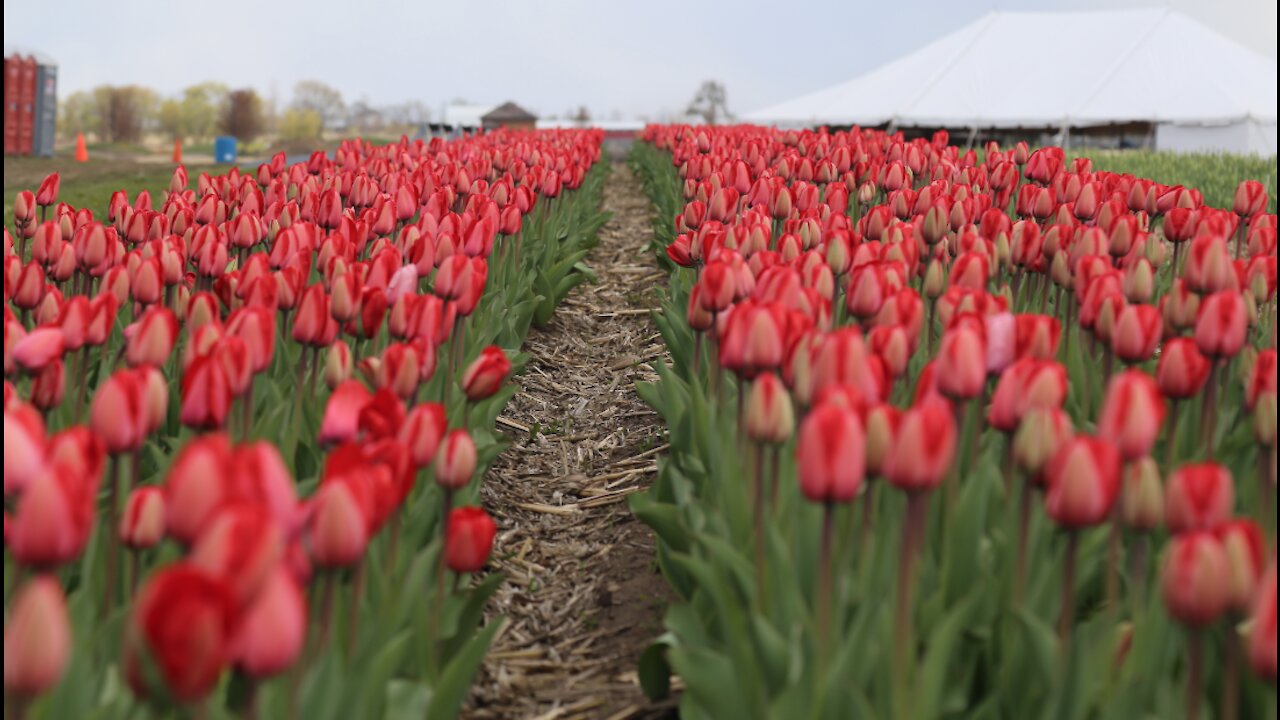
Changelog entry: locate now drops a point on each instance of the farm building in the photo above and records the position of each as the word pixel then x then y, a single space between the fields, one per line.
pixel 509 115
pixel 1170 83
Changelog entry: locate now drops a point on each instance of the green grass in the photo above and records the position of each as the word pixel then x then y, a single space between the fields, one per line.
pixel 1215 175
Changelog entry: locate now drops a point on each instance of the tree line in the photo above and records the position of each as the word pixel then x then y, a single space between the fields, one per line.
pixel 128 113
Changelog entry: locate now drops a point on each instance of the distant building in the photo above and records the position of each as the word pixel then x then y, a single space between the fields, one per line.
pixel 463 117
pixel 509 115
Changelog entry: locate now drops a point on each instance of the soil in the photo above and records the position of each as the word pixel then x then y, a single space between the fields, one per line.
pixel 583 597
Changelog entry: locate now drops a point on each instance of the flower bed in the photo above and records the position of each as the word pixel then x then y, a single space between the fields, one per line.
pixel 959 436
pixel 243 422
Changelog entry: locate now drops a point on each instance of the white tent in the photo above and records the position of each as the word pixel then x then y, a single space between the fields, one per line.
pixel 1066 69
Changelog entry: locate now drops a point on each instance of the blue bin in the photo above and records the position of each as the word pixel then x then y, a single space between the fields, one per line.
pixel 224 149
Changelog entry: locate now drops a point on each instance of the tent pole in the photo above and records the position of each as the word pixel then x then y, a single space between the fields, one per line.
pixel 973 135
pixel 1066 137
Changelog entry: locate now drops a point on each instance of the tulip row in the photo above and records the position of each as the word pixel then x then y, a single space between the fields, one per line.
pixel 243 426
pixel 938 422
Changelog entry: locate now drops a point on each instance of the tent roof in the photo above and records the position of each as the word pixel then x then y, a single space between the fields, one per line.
pixel 465 115
pixel 1053 69
pixel 509 112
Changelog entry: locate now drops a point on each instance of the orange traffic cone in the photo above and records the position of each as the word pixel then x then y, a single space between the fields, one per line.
pixel 82 152
pixel 177 151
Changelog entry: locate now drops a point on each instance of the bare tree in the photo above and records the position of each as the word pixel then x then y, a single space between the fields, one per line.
pixel 324 100
pixel 710 103
pixel 243 116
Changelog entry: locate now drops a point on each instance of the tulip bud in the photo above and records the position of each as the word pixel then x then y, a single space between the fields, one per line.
pixel 1182 370
pixel 37 638
pixel 143 523
pixel 38 348
pixel 339 529
pixel 422 432
pixel 1083 480
pixel 1040 434
pixel 830 454
pixel 1221 325
pixel 49 386
pixel 935 280
pixel 1199 497
pixel 1262 628
pixel 455 461
pixel 486 374
pixel 178 633
pixel 243 544
pixel 1195 579
pixel 1139 282
pixel 769 415
pixel 1264 420
pixel 273 629
pixel 1245 547
pixel 962 369
pixel 150 340
pixel 1132 413
pixel 924 447
pixel 468 539
pixel 1142 502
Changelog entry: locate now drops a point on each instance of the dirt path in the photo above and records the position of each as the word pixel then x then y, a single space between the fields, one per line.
pixel 582 596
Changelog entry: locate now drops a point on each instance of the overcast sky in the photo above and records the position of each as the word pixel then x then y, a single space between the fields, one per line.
pixel 636 57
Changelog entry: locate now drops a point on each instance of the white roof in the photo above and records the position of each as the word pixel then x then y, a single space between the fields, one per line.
pixel 1054 69
pixel 461 115
pixel 606 125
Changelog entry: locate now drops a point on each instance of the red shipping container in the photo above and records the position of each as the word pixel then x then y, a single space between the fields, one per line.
pixel 12 78
pixel 26 104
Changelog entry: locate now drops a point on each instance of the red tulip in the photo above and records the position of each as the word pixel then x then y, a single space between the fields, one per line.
pixel 455 461
pixel 47 194
pixel 1262 378
pixel 1221 325
pixel 718 287
pixel 178 638
pixel 468 540
pixel 1142 501
pixel 1246 553
pixel 341 421
pixel 1195 579
pixel 1137 332
pixel 1038 336
pixel 241 544
pixel 206 394
pixel 961 369
pixel 830 454
pixel 1199 497
pixel 24 447
pixel 422 432
pixel 142 525
pixel 337 364
pixel 274 628
pixel 150 340
pixel 1026 384
pixel 841 357
pixel 923 448
pixel 256 326
pixel 37 638
pixel 1083 480
pixel 486 374
pixel 1040 435
pixel 1208 267
pixel 769 415
pixel 1262 628
pixel 1250 198
pixel 39 348
pixel 339 524
pixel 1132 413
pixel 1182 370
pixel 312 317
pixel 24 208
pixel 49 386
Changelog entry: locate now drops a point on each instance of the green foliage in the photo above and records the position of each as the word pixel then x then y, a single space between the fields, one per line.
pixel 1214 174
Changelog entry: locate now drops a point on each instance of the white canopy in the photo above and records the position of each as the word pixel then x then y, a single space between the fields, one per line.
pixel 1056 69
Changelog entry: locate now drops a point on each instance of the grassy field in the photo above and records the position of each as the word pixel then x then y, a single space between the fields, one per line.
pixel 1215 175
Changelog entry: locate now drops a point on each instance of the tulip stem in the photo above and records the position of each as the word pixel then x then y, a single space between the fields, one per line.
pixel 1266 492
pixel 758 502
pixel 904 645
pixel 825 574
pixel 1024 528
pixel 1195 672
pixel 1231 674
pixel 353 611
pixel 1209 410
pixel 1066 618
pixel 774 480
pixel 1171 440
pixel 1114 550
pixel 108 535
pixel 1138 573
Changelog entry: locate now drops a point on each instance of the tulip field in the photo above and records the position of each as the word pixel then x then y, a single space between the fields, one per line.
pixel 244 424
pixel 964 434
pixel 957 435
